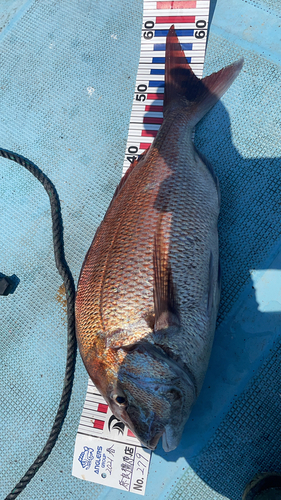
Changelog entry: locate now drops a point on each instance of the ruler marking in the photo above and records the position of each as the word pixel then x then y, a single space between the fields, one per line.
pixel 164 33
pixel 176 5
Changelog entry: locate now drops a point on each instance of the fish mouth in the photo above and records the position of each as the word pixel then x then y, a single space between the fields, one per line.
pixel 148 437
pixel 153 442
pixel 169 440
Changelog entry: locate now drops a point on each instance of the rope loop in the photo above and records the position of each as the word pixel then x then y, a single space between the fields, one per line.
pixel 63 269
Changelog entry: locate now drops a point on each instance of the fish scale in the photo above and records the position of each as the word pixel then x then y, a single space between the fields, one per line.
pixel 130 237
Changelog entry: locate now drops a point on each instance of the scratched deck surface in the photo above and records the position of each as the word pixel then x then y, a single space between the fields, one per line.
pixel 67 74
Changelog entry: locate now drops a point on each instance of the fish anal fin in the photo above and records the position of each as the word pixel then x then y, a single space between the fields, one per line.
pixel 211 170
pixel 127 174
pixel 219 285
pixel 214 285
pixel 164 295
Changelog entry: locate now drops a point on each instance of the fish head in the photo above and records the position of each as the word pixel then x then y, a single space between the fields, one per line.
pixel 152 395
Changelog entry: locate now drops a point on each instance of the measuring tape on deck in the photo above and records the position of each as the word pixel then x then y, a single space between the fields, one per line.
pixel 106 451
pixel 191 24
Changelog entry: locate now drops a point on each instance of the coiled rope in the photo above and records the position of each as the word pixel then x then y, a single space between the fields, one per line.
pixel 66 275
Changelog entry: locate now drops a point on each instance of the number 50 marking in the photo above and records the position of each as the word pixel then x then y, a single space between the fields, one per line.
pixel 141 88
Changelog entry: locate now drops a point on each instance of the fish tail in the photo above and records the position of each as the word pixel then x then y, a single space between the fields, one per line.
pixel 181 83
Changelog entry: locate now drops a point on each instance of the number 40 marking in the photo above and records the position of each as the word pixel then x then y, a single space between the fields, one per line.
pixel 132 150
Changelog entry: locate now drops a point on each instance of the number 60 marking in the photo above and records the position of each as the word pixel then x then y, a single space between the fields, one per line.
pixel 149 25
pixel 200 24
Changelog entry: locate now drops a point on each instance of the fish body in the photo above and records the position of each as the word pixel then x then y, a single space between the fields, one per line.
pixel 149 288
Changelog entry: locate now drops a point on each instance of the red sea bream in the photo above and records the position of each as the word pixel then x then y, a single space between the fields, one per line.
pixel 149 288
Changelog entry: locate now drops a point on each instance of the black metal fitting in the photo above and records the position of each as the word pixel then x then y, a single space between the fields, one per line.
pixel 8 284
pixel 264 486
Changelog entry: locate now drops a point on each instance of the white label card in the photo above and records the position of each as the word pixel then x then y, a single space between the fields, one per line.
pixel 106 451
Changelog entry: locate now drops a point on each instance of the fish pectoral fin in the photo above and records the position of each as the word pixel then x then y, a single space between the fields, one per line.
pixel 128 335
pixel 116 338
pixel 164 295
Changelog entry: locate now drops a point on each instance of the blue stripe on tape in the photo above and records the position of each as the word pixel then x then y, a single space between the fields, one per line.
pixel 159 46
pixel 162 46
pixel 156 84
pixel 179 32
pixel 157 72
pixel 161 60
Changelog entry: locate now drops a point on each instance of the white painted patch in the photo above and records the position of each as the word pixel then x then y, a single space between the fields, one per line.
pixel 114 36
pixel 267 284
pixel 90 90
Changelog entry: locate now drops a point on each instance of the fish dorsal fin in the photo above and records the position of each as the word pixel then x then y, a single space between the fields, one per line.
pixel 164 296
pixel 180 81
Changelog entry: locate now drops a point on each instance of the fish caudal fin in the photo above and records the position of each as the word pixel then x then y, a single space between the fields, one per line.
pixel 181 82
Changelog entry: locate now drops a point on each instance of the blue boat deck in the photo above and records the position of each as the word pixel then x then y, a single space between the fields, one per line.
pixel 67 75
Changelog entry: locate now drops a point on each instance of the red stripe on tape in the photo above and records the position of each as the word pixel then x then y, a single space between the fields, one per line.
pixel 102 408
pixel 149 133
pixel 145 145
pixel 155 96
pixel 98 424
pixel 151 107
pixel 176 5
pixel 152 119
pixel 175 19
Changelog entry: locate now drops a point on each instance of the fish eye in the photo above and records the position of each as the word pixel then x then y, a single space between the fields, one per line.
pixel 174 394
pixel 120 400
